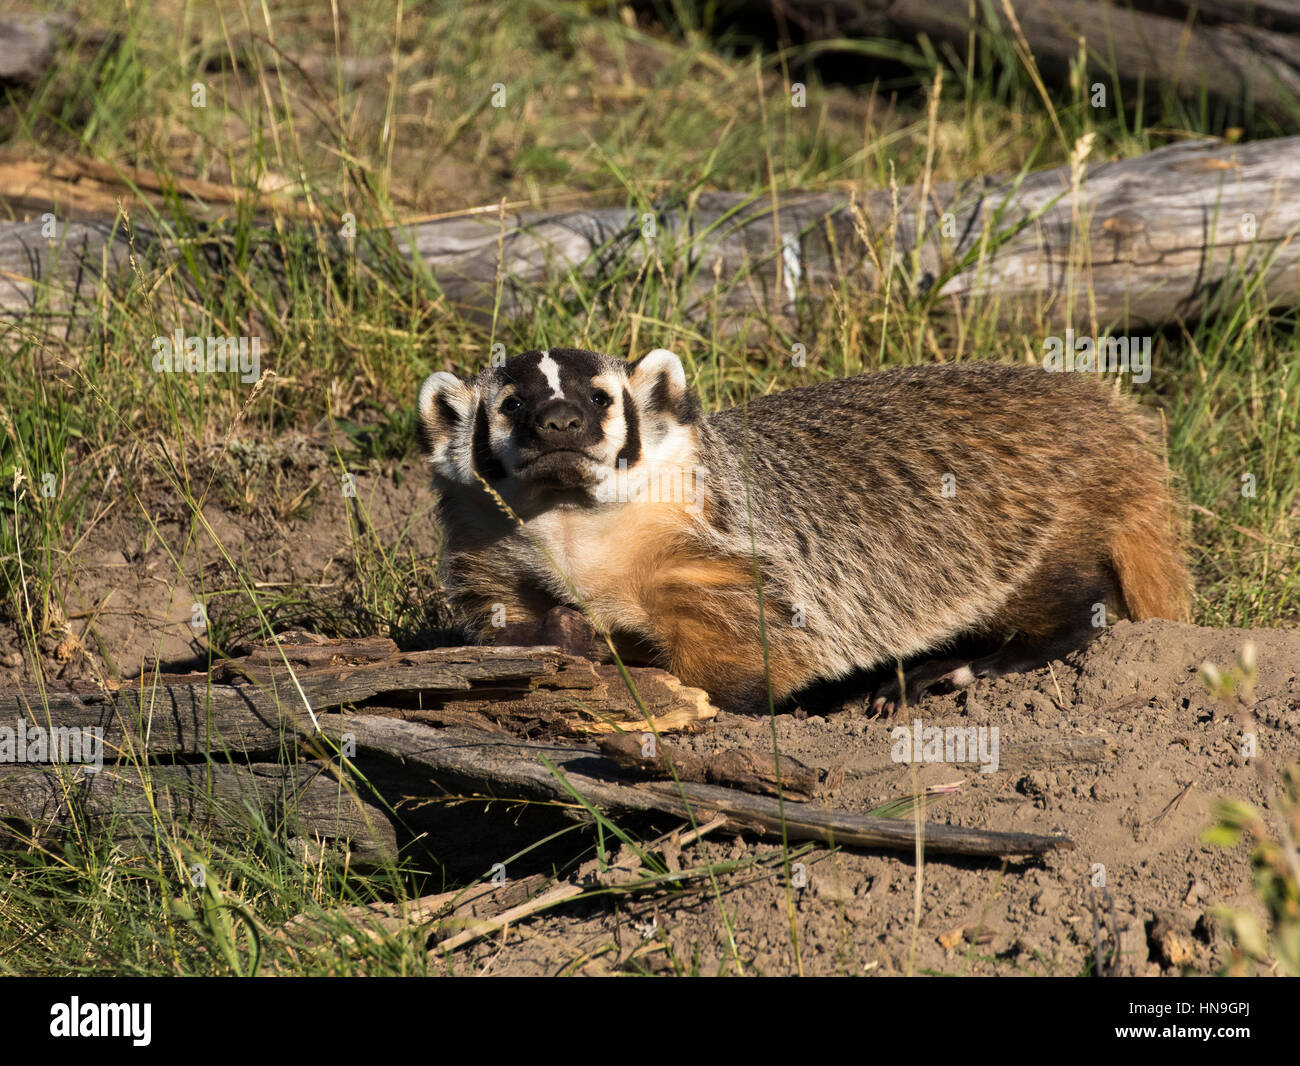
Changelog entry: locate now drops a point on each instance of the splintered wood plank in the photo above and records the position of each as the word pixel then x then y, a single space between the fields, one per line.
pixel 252 703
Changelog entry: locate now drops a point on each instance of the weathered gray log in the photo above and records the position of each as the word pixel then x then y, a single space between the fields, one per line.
pixel 304 802
pixel 1149 240
pixel 456 762
pixel 1238 50
pixel 486 764
pixel 27 46
pixel 253 704
pixel 1161 235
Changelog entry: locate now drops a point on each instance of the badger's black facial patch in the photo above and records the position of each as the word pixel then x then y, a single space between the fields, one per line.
pixel 661 398
pixel 559 420
pixel 631 450
pixel 545 375
pixel 444 418
pixel 485 463
pixel 683 407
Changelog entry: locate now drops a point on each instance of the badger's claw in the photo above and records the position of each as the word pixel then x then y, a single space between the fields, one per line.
pixel 923 677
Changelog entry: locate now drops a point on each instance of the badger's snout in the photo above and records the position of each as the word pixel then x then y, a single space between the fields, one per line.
pixel 559 424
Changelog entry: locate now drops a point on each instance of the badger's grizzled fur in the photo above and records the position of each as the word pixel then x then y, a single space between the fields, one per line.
pixel 904 516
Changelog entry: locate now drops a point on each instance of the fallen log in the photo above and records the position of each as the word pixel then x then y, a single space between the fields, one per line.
pixel 304 804
pixel 460 763
pixel 317 803
pixel 1243 51
pixel 273 699
pixel 1164 237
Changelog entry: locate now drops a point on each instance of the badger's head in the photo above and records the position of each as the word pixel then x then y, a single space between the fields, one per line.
pixel 559 420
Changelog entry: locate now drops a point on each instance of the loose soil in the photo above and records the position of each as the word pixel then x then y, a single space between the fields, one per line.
pixel 1137 891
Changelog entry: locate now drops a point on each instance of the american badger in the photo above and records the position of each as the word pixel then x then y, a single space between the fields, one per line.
pixel 959 520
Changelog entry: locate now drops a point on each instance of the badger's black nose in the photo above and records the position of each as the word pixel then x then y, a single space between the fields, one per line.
pixel 557 420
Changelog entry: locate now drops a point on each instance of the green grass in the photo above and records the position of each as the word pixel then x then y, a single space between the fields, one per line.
pixel 597 112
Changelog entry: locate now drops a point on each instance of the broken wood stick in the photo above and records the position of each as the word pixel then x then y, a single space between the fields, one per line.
pixel 376 921
pixel 451 920
pixel 623 872
pixel 473 762
pixel 749 771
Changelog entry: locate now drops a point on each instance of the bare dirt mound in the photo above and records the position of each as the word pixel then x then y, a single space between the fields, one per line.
pixel 1136 818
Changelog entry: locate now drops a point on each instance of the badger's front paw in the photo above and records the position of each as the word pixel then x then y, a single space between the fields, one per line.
pixel 570 631
pixel 561 627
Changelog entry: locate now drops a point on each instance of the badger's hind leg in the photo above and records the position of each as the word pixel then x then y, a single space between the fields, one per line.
pixel 1058 611
pixel 918 678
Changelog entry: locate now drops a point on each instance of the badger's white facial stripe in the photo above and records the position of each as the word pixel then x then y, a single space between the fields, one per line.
pixel 550 370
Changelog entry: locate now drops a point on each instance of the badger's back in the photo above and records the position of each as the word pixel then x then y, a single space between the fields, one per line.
pixel 914 504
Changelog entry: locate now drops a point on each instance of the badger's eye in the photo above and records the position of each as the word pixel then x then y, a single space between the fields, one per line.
pixel 511 404
pixel 601 398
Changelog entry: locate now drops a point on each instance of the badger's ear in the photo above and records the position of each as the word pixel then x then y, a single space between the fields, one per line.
pixel 443 410
pixel 658 384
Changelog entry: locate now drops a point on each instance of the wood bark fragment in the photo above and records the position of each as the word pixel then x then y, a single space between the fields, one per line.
pixel 252 703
